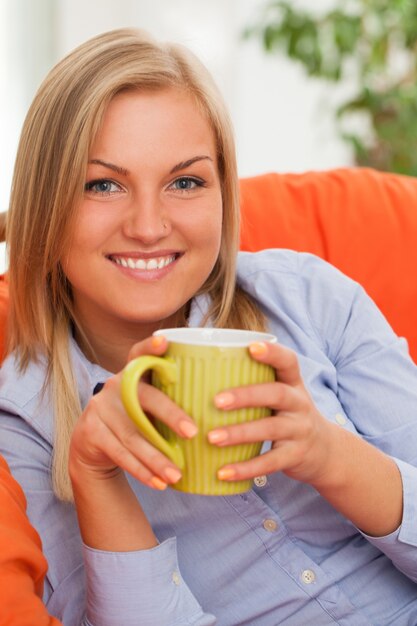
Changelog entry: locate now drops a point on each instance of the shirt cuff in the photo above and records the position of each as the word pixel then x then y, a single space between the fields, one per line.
pixel 408 531
pixel 143 587
pixel 401 545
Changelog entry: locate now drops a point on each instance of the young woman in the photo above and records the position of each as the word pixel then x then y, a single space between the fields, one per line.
pixel 124 220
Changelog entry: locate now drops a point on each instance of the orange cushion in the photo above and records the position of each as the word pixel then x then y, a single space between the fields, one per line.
pixel 22 564
pixel 362 221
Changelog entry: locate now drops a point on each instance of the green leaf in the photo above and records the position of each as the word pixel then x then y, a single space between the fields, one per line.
pixel 378 38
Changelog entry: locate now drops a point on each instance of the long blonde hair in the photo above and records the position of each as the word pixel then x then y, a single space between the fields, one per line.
pixel 48 184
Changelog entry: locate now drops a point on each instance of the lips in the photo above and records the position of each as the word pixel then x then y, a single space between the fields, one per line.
pixel 153 263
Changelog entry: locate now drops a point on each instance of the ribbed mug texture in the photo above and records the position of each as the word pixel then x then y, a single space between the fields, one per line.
pixel 203 371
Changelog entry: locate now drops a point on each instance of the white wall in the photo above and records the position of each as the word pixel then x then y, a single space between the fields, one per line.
pixel 25 57
pixel 283 122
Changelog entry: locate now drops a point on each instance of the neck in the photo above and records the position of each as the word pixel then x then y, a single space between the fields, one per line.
pixel 110 350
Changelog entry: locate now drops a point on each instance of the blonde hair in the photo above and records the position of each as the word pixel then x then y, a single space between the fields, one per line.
pixel 48 184
pixel 3 219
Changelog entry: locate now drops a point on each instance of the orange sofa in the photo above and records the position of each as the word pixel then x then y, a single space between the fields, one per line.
pixel 362 221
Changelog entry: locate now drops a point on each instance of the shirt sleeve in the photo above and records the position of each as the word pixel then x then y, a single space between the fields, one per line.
pixel 376 386
pixel 85 586
pixel 22 564
pixel 148 581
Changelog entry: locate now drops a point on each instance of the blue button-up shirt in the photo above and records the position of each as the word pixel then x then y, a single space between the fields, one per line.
pixel 278 554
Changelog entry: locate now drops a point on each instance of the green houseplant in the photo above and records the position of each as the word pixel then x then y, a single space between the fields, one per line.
pixel 376 42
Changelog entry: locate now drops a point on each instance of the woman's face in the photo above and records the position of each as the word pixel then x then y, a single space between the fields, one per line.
pixel 148 229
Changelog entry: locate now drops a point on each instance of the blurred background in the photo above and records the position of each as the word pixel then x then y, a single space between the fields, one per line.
pixel 306 86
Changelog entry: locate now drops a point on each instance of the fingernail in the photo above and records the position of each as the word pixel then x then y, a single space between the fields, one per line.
pixel 188 429
pixel 173 474
pixel 157 341
pixel 217 436
pixel 157 483
pixel 226 473
pixel 258 348
pixel 223 400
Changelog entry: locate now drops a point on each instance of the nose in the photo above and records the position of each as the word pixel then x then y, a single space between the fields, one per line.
pixel 147 221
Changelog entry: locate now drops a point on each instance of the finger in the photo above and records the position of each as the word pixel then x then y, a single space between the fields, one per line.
pixel 282 359
pixel 156 344
pixel 152 401
pixel 154 461
pixel 275 460
pixel 110 412
pixel 104 451
pixel 276 396
pixel 274 428
pixel 161 407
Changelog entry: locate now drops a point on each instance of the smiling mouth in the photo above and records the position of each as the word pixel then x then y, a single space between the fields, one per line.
pixel 156 263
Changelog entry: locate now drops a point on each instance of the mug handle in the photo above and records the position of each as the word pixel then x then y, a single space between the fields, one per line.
pixel 167 370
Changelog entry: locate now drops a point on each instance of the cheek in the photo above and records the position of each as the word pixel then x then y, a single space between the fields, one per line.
pixel 74 250
pixel 90 230
pixel 80 245
pixel 210 228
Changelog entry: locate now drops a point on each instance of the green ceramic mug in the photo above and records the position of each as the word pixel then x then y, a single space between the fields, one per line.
pixel 199 363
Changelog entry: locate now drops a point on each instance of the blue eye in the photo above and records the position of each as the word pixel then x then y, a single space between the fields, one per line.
pixel 101 187
pixel 187 183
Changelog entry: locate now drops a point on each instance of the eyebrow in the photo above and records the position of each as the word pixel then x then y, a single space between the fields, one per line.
pixel 110 166
pixel 182 165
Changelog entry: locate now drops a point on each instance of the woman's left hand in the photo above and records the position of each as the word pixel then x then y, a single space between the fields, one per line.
pixel 301 437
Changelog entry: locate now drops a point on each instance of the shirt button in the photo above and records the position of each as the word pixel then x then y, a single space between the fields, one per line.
pixel 340 419
pixel 260 481
pixel 308 576
pixel 270 525
pixel 176 578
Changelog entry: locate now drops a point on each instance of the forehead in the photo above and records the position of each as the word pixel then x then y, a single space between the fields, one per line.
pixel 171 118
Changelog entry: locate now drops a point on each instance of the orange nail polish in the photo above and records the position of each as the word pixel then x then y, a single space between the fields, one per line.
pixel 157 341
pixel 223 400
pixel 172 474
pixel 188 429
pixel 217 436
pixel 157 483
pixel 258 348
pixel 226 473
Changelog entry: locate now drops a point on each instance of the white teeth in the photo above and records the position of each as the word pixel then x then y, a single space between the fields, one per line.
pixel 142 264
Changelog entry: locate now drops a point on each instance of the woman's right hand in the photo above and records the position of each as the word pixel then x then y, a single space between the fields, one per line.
pixel 106 441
